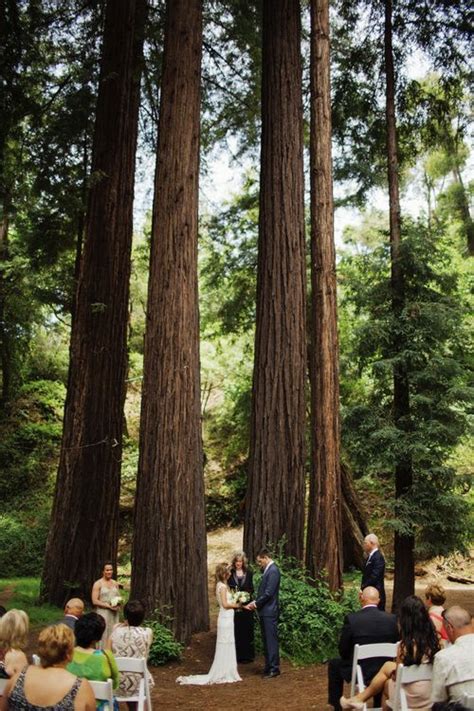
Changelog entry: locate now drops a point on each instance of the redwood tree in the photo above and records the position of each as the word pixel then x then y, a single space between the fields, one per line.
pixel 84 524
pixel 276 487
pixel 324 541
pixel 169 544
pixel 404 544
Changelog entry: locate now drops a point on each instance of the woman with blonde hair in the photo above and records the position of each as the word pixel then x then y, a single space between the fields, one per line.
pixel 435 596
pixel 14 626
pixel 49 686
pixel 224 666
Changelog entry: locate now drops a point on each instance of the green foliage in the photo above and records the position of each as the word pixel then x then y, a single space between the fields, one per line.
pixel 22 543
pixel 431 341
pixel 23 593
pixel 311 616
pixel 164 648
pixel 225 500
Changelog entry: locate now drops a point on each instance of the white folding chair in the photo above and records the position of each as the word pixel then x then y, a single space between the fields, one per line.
pixel 138 666
pixel 103 691
pixel 407 675
pixel 369 651
pixel 468 701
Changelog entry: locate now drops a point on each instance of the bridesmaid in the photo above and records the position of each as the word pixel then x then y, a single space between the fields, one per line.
pixel 241 578
pixel 103 592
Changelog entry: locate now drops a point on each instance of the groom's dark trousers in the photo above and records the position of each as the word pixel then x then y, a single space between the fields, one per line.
pixel 365 626
pixel 268 610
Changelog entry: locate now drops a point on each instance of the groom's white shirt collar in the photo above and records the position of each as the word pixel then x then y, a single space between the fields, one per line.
pixel 371 553
pixel 267 566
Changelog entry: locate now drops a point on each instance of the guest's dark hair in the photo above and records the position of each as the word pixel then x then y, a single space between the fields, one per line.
pixel 264 553
pixel 417 632
pixel 3 610
pixel 88 629
pixel 134 612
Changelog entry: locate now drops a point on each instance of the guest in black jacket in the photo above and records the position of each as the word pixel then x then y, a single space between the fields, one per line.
pixel 374 569
pixel 241 578
pixel 366 626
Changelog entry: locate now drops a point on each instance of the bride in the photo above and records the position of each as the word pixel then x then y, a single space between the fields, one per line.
pixel 224 666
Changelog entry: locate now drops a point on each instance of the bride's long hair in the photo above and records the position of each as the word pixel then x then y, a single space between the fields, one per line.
pixel 222 570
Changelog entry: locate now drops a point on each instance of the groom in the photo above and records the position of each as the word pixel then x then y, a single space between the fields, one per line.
pixel 267 606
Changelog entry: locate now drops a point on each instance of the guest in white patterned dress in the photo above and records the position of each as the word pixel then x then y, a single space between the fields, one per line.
pixel 129 639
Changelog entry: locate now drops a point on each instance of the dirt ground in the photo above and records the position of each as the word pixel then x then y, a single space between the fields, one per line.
pixel 296 688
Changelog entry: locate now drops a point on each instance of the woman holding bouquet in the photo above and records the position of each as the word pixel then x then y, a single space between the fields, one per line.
pixel 241 581
pixel 224 665
pixel 106 598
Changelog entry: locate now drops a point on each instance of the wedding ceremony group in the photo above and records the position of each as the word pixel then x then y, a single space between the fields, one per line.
pixel 420 659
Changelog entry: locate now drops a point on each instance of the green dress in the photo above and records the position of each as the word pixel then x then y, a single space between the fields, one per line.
pixel 98 666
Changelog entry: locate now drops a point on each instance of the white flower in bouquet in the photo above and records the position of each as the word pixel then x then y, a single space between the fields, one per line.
pixel 116 600
pixel 241 596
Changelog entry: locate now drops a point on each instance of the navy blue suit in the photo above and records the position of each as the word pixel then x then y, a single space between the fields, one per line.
pixel 373 575
pixel 268 610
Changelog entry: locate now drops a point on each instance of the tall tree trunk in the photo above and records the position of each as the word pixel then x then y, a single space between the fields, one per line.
pixel 5 351
pixel 276 487
pixel 404 545
pixel 354 523
pixel 465 214
pixel 169 543
pixel 324 538
pixel 84 525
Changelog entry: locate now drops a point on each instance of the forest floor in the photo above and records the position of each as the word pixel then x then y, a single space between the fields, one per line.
pixel 301 688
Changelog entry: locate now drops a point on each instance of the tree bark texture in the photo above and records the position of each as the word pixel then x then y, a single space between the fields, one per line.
pixel 276 487
pixel 354 523
pixel 404 545
pixel 324 535
pixel 84 525
pixel 169 556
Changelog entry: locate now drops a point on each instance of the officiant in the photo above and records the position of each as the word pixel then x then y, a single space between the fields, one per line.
pixel 241 579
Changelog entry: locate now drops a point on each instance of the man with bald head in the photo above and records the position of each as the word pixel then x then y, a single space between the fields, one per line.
pixel 453 668
pixel 374 569
pixel 366 626
pixel 73 610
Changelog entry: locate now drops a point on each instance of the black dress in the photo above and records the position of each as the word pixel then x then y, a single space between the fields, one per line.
pixel 243 619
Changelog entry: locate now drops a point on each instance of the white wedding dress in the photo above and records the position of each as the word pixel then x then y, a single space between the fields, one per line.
pixel 224 666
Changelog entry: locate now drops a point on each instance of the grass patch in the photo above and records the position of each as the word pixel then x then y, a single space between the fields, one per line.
pixel 25 596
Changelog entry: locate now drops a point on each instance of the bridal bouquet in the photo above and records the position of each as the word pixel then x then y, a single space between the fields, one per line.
pixel 240 596
pixel 116 600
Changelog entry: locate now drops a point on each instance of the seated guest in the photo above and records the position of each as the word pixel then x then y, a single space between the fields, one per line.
pixel 435 598
pixel 88 662
pixel 366 626
pixel 418 645
pixel 73 610
pixel 130 639
pixel 453 670
pixel 14 626
pixel 49 686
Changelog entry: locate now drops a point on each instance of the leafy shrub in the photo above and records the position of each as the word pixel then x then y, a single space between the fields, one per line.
pixel 311 616
pixel 22 544
pixel 164 648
